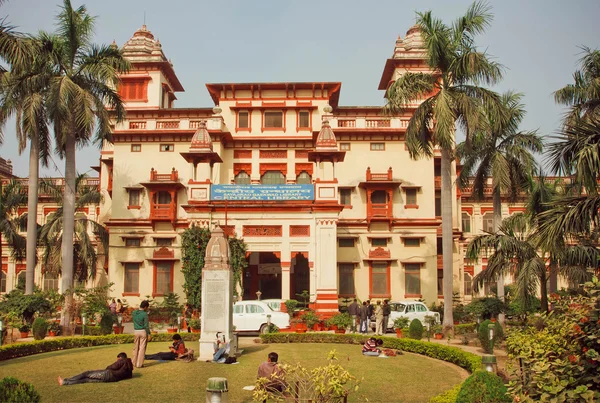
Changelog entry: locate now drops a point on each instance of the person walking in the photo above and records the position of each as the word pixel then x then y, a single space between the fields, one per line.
pixel 387 311
pixel 363 314
pixel 370 309
pixel 353 311
pixel 141 333
pixel 379 319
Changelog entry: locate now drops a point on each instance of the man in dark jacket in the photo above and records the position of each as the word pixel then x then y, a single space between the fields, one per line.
pixel 363 313
pixel 370 313
pixel 119 370
pixel 353 311
pixel 387 310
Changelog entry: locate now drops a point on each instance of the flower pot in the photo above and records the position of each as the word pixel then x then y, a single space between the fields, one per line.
pixel 172 330
pixel 333 327
pixel 300 330
pixel 399 333
pixel 24 334
pixel 195 330
pixel 438 336
pixel 118 329
pixel 51 333
pixel 340 331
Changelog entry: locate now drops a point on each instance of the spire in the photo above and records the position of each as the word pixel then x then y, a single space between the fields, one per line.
pixel 143 47
pixel 201 142
pixel 411 46
pixel 326 139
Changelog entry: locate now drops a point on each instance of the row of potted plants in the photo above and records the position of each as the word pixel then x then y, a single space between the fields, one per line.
pixel 309 320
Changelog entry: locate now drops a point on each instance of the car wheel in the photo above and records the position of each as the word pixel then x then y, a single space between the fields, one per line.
pixel 264 329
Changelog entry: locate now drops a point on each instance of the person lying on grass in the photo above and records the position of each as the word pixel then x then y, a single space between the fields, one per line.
pixel 176 350
pixel 370 347
pixel 119 370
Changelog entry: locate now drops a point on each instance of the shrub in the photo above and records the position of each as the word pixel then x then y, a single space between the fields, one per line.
pixel 401 322
pixel 310 318
pixel 465 328
pixel 482 387
pixel 486 308
pixel 483 334
pixel 290 306
pixel 13 390
pixel 195 323
pixel 448 396
pixel 40 327
pixel 415 330
pixel 106 323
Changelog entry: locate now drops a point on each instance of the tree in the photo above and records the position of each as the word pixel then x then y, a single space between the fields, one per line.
pixel 88 233
pixel 11 198
pixel 500 152
pixel 450 95
pixel 81 97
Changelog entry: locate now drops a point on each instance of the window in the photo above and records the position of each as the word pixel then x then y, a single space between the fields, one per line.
pixel 167 147
pixel 238 309
pixel 466 222
pixel 438 203
pixel 379 197
pixel 132 278
pixel 242 178
pixel 162 198
pixel 346 242
pixel 344 146
pixel 412 278
pixel 134 197
pixel 412 242
pixel 134 90
pixel 133 242
pixel 345 197
pixel 273 119
pixel 21 280
pixel 303 119
pixel 303 178
pixel 439 246
pixel 346 279
pixel 440 282
pixel 136 148
pixel 23 223
pixel 273 178
pixel 2 281
pixel 379 278
pixel 379 242
pixel 164 242
pixel 50 281
pixel 411 197
pixel 163 278
pixel 251 308
pixel 243 120
pixel 377 146
pixel 488 222
pixel 468 283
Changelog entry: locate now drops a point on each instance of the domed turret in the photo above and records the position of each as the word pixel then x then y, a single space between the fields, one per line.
pixel 326 139
pixel 201 140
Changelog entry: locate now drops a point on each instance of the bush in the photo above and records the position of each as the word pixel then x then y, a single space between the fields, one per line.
pixel 106 323
pixel 486 308
pixel 65 343
pixel 13 390
pixel 40 327
pixel 482 387
pixel 415 330
pixel 465 328
pixel 483 334
pixel 454 355
pixel 448 396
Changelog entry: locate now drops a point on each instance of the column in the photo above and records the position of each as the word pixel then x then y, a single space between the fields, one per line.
pixel 326 264
pixel 285 280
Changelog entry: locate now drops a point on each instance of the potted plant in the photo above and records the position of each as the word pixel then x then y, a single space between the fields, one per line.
pixel 311 319
pixel 342 321
pixel 298 325
pixel 399 324
pixel 195 325
pixel 53 328
pixel 437 332
pixel 24 329
pixel 290 307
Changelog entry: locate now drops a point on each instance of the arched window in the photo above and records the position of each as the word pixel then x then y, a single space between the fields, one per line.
pixel 23 223
pixel 272 178
pixel 242 178
pixel 488 222
pixel 303 178
pixel 379 197
pixel 21 280
pixel 468 283
pixel 466 222
pixel 162 198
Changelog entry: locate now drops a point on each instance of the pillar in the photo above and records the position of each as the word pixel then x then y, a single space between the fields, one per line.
pixel 285 280
pixel 326 264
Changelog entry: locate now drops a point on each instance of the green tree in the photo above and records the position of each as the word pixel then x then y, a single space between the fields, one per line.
pixel 81 96
pixel 450 95
pixel 503 153
pixel 11 198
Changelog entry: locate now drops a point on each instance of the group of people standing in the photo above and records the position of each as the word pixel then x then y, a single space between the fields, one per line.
pixel 363 314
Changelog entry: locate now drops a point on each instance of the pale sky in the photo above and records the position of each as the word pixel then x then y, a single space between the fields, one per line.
pixel 326 40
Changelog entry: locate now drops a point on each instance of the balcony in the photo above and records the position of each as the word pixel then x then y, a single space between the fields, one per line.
pixel 368 122
pixel 379 176
pixel 170 177
pixel 380 210
pixel 162 211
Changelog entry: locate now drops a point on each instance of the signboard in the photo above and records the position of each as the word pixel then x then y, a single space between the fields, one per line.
pixel 262 192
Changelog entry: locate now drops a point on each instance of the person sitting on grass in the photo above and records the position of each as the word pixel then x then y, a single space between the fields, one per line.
pixel 272 372
pixel 176 350
pixel 370 347
pixel 121 369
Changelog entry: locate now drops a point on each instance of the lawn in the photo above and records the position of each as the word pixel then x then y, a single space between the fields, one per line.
pixel 406 378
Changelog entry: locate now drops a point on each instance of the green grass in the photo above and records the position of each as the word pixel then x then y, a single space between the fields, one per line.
pixel 406 378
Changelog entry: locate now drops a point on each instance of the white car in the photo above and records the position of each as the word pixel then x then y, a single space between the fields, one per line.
pixel 411 310
pixel 274 304
pixel 251 316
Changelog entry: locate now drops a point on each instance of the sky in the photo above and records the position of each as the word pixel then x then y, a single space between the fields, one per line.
pixel 538 42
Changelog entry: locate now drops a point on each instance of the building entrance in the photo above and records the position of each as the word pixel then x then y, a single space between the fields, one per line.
pixel 262 274
pixel 299 275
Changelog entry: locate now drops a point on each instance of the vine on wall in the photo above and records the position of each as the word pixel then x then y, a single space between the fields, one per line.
pixel 193 250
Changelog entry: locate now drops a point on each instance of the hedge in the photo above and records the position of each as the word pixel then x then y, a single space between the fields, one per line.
pixel 465 328
pixel 454 355
pixel 64 343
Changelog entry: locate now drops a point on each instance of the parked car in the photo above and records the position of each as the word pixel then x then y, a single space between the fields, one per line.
pixel 251 316
pixel 274 304
pixel 409 309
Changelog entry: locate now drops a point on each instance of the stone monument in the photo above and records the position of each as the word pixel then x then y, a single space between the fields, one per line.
pixel 217 295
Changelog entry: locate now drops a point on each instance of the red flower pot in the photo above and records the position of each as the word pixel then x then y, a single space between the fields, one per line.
pixel 438 336
pixel 300 330
pixel 399 333
pixel 340 331
pixel 333 327
pixel 51 333
pixel 195 330
pixel 24 334
pixel 172 330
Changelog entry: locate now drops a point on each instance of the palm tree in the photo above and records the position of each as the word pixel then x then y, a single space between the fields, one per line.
pixel 583 96
pixel 85 257
pixel 451 95
pixel 81 96
pixel 15 48
pixel 500 151
pixel 11 198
